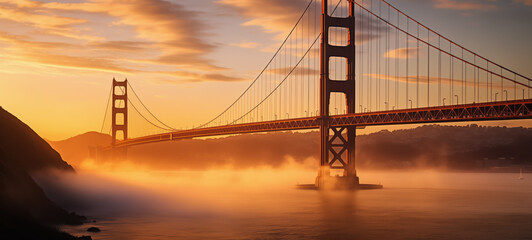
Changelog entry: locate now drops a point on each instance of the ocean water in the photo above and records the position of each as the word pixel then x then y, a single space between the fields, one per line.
pixel 263 204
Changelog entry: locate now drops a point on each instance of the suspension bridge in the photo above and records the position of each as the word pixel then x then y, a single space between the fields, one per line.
pixel 345 65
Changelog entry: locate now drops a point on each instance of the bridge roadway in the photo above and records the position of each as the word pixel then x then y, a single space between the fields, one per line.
pixel 503 110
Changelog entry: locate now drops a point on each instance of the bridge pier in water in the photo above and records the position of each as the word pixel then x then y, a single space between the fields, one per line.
pixel 336 150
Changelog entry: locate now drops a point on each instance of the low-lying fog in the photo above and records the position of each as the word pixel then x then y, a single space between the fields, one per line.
pixel 127 188
pixel 128 201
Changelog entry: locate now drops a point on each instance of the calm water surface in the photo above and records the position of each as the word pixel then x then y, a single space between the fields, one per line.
pixel 257 205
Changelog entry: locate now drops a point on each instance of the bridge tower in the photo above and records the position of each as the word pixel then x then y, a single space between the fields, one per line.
pixel 336 150
pixel 119 112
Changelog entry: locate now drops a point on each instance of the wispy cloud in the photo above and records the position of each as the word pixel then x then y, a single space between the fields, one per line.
pixel 154 34
pixel 42 52
pixel 426 79
pixel 124 46
pixel 24 42
pixel 76 62
pixel 274 16
pixel 525 2
pixel 185 76
pixel 245 44
pixel 402 53
pixel 465 5
pixel 174 29
pixel 32 14
pixel 278 17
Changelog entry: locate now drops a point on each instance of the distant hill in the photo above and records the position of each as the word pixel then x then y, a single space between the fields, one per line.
pixel 25 210
pixel 76 149
pixel 432 146
pixel 447 147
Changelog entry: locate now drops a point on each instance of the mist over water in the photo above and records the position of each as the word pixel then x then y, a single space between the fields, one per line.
pixel 262 203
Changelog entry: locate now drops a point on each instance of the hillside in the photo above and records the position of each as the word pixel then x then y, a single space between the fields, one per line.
pixel 77 148
pixel 447 147
pixel 31 151
pixel 25 210
pixel 436 147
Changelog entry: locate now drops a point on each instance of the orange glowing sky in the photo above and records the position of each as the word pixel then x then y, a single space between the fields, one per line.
pixel 189 59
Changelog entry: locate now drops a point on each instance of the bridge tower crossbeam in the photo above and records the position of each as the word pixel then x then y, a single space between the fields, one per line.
pixel 119 113
pixel 337 151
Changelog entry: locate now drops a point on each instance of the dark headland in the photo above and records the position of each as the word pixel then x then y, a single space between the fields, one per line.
pixel 25 210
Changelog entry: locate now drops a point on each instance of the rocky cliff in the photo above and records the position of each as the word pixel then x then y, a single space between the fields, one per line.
pixel 25 210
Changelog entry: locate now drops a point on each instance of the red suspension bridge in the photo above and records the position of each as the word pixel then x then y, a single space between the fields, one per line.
pixel 349 64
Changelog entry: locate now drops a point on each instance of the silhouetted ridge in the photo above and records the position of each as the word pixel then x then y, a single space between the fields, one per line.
pixel 25 210
pixel 23 144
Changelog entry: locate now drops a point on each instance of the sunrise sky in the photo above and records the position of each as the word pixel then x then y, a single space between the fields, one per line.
pixel 189 59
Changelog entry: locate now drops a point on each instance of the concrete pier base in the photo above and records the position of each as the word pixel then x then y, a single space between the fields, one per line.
pixel 338 183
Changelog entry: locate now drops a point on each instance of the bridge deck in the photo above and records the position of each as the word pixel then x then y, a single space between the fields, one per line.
pixel 517 109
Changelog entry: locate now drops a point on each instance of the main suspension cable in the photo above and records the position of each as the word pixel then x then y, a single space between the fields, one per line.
pixel 133 90
pixel 263 70
pixel 106 109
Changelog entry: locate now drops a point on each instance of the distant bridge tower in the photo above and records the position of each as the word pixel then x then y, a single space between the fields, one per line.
pixel 119 111
pixel 334 147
